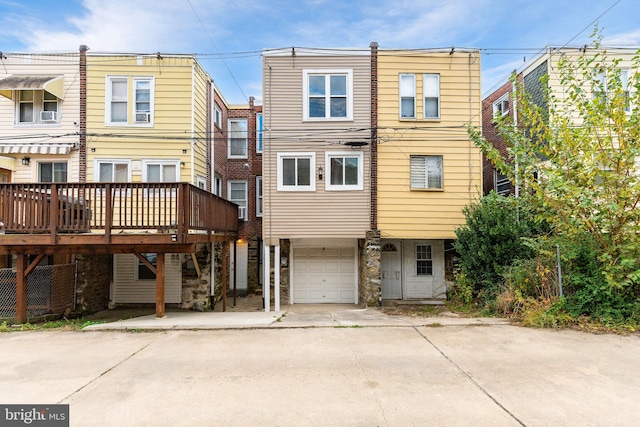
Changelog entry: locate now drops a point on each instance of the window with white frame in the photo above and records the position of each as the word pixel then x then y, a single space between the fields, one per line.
pixel 296 171
pixel 501 106
pixel 407 96
pixel 217 117
pixel 258 196
pixel 328 94
pixel 238 138
pixel 259 133
pixel 120 109
pixel 502 183
pixel 52 171
pixel 602 88
pixel 217 185
pixel 112 171
pixel 238 195
pixel 344 171
pixel 424 260
pixel 36 107
pixel 431 89
pixel 426 172
pixel 202 182
pixel 160 170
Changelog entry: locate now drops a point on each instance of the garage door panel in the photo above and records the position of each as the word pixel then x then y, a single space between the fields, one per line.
pixel 324 275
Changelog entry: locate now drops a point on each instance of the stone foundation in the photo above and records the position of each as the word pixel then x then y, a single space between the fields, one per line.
pixel 196 290
pixel 95 273
pixel 370 291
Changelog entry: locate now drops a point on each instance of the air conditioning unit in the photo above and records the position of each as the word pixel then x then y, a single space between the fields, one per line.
pixel 48 116
pixel 242 212
pixel 143 117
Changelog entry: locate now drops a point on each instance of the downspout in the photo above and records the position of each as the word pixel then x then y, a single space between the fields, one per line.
pixel 193 125
pixel 82 137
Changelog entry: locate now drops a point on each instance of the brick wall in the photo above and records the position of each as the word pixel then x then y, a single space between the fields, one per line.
pixel 490 132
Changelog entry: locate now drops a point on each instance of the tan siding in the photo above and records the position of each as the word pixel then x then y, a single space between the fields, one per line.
pixel 406 213
pixel 320 213
pixel 128 290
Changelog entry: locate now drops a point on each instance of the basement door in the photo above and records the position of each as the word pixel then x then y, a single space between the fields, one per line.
pixel 324 275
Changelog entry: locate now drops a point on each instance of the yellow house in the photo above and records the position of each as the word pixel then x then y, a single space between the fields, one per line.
pixel 147 120
pixel 428 168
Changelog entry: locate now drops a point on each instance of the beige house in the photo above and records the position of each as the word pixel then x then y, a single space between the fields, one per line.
pixel 316 172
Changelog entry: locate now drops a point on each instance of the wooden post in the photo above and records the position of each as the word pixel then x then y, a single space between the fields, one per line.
pixel 21 290
pixel 225 262
pixel 235 271
pixel 267 279
pixel 160 285
pixel 276 277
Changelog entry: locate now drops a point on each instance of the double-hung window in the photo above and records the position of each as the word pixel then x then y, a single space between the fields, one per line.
pixel 344 171
pixel 217 118
pixel 259 133
pixel 238 195
pixel 407 96
pixel 122 107
pixel 52 171
pixel 424 260
pixel 431 90
pixel 143 100
pixel 238 138
pixel 37 107
pixel 258 196
pixel 501 106
pixel 112 171
pixel 426 172
pixel 328 94
pixel 296 172
pixel 160 170
pixel 602 88
pixel 117 100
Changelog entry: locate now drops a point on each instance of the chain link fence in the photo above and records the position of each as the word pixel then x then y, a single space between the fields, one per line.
pixel 50 290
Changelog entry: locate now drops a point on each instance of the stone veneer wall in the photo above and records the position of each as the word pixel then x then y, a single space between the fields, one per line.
pixel 370 291
pixel 95 273
pixel 196 290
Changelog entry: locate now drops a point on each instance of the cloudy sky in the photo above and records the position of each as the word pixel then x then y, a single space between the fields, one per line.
pixel 228 35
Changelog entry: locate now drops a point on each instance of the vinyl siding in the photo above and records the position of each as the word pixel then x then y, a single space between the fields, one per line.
pixel 321 213
pixel 405 213
pixel 128 290
pixel 66 65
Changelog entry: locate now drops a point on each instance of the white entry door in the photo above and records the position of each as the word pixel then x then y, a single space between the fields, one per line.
pixel 390 270
pixel 241 269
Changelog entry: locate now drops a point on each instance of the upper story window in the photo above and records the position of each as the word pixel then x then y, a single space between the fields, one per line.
pixel 259 133
pixel 407 96
pixel 426 172
pixel 52 171
pixel 602 87
pixel 501 106
pixel 258 196
pixel 217 117
pixel 238 195
pixel 431 89
pixel 296 171
pixel 37 107
pixel 344 171
pixel 124 108
pixel 238 138
pixel 328 94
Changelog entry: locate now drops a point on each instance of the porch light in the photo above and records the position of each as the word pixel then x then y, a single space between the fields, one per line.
pixel 26 161
pixel 320 172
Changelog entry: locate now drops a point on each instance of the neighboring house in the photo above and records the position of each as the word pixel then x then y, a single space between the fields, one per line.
pixel 149 120
pixel 316 174
pixel 428 169
pixel 500 102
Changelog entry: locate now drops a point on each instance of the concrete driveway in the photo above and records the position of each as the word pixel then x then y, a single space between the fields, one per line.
pixel 465 374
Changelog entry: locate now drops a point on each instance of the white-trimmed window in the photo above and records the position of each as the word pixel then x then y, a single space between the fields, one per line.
pixel 601 87
pixel 431 89
pixel 52 171
pixel 144 273
pixel 36 107
pixel 121 108
pixel 344 170
pixel 296 171
pixel 258 196
pixel 259 133
pixel 501 106
pixel 502 183
pixel 407 96
pixel 328 94
pixel 202 182
pixel 424 260
pixel 426 172
pixel 160 170
pixel 217 185
pixel 238 138
pixel 217 117
pixel 238 195
pixel 112 171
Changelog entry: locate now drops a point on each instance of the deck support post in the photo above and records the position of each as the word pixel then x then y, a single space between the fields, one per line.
pixel 267 279
pixel 21 289
pixel 160 285
pixel 225 264
pixel 276 277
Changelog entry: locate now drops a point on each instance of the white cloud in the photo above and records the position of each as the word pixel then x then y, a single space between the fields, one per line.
pixel 631 38
pixel 493 78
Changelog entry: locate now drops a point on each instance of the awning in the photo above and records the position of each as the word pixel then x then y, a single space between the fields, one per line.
pixel 7 163
pixel 52 84
pixel 38 148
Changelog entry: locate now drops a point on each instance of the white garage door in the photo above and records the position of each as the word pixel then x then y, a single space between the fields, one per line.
pixel 324 275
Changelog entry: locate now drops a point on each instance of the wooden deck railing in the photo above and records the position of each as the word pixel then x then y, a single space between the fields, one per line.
pixel 58 208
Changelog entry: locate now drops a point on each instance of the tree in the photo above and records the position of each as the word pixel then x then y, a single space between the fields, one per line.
pixel 578 158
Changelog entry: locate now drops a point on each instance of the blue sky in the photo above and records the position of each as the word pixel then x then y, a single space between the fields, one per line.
pixel 228 35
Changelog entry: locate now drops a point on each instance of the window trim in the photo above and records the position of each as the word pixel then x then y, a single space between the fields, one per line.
pixel 98 162
pixel 259 132
pixel 147 162
pixel 245 217
pixel 344 187
pixel 305 94
pixel 259 196
pixel 201 182
pixel 426 188
pixel 130 100
pixel 108 99
pixel 430 252
pixel 312 171
pixel 134 103
pixel 499 103
pixel 37 107
pixel 424 98
pixel 400 96
pixel 53 173
pixel 217 116
pixel 246 138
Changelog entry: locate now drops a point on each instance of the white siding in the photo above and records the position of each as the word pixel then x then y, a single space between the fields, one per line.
pixel 129 290
pixel 423 287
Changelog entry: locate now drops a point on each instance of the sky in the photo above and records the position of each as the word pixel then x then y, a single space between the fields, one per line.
pixel 228 35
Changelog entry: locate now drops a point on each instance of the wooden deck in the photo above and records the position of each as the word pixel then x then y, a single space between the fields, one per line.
pixel 107 218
